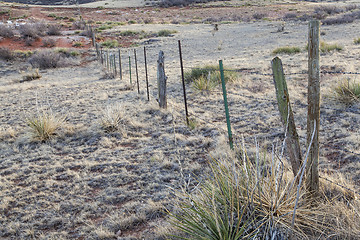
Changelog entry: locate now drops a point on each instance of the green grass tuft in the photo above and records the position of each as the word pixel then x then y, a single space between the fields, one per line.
pixel 347 93
pixel 286 50
pixel 208 77
pixel 166 33
pixel 357 41
pixel 110 44
pixel 325 47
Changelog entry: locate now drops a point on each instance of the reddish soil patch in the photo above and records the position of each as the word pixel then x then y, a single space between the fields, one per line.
pixel 61 41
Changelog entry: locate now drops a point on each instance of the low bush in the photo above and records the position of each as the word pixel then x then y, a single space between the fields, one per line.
pixel 81 24
pixel 347 93
pixel 171 3
pixel 110 43
pixel 54 30
pixel 345 18
pixel 45 59
pixel 166 33
pixel 286 50
pixel 32 30
pixel 48 42
pixel 6 54
pixel 357 41
pixel 259 16
pixel 6 31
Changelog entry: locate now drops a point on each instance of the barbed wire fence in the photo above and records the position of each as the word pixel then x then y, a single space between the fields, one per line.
pixel 113 62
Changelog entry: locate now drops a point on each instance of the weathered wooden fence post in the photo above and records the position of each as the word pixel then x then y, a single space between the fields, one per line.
pixel 313 119
pixel 146 75
pixel 136 70
pixel 120 67
pixel 287 116
pixel 161 80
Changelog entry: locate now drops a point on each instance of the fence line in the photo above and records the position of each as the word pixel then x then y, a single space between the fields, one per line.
pixel 103 57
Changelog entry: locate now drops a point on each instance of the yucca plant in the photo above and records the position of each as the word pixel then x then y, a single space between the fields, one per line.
pixel 347 93
pixel 44 125
pixel 246 198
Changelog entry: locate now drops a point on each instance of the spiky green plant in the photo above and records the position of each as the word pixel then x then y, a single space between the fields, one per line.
pixel 44 125
pixel 246 198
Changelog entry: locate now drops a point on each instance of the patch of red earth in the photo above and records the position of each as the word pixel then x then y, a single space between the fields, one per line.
pixel 63 42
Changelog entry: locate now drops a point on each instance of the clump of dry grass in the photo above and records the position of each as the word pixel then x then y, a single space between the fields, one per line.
pixel 347 92
pixel 258 197
pixel 31 76
pixel 112 118
pixel 44 125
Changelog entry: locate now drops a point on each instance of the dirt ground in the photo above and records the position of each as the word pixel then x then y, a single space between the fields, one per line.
pixel 86 183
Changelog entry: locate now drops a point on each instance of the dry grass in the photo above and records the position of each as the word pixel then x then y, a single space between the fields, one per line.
pixel 44 125
pixel 347 92
pixel 31 76
pixel 257 196
pixel 112 118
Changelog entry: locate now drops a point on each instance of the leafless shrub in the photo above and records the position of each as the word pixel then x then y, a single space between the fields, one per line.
pixel 6 31
pixel 48 42
pixel 171 3
pixel 330 10
pixel 6 54
pixel 79 25
pixel 32 30
pixel 290 16
pixel 351 7
pixel 29 41
pixel 45 59
pixel 54 30
pixel 306 17
pixel 87 33
pixel 148 20
pixel 259 16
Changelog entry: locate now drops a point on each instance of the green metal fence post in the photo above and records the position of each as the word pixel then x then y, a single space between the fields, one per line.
pixel 226 104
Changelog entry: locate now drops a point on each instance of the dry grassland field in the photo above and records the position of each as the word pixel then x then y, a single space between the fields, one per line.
pixel 83 155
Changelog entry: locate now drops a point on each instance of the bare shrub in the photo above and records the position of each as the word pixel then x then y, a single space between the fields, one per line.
pixel 45 59
pixel 54 30
pixel 29 41
pixel 48 42
pixel 259 16
pixel 330 10
pixel 346 18
pixel 79 25
pixel 290 16
pixel 86 33
pixel 6 54
pixel 171 3
pixel 6 31
pixel 32 30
